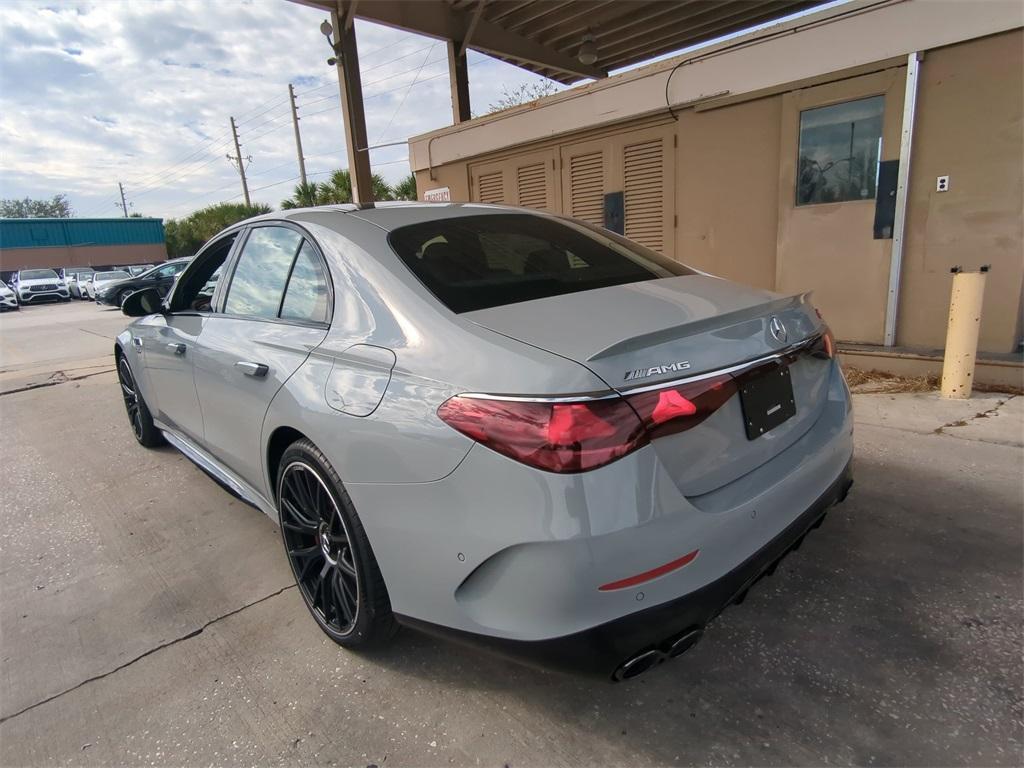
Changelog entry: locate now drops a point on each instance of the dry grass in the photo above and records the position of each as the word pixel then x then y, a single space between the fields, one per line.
pixel 880 382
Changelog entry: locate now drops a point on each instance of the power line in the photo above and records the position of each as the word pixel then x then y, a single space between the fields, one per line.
pixel 406 94
pixel 146 179
pixel 181 175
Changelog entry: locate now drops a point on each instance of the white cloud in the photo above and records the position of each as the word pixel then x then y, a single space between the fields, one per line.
pixel 140 92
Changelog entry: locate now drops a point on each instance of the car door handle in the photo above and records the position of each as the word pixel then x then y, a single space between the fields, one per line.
pixel 256 370
pixel 176 348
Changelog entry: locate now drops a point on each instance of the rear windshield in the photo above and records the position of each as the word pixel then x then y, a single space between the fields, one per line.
pixel 478 262
pixel 38 274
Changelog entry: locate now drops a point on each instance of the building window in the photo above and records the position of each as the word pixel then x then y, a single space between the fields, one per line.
pixel 840 146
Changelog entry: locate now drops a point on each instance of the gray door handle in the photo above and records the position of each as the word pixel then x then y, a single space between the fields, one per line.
pixel 176 348
pixel 256 370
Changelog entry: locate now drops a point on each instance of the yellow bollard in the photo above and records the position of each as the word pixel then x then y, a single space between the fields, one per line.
pixel 962 333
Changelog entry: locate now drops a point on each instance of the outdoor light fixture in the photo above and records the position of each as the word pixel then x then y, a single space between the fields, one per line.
pixel 327 30
pixel 588 50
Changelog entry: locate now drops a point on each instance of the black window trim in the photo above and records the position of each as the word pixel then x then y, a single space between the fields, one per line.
pixel 232 262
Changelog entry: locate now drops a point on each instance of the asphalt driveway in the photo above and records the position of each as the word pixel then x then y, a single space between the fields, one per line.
pixel 148 617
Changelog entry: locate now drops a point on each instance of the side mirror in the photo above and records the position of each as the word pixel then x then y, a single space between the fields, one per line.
pixel 144 302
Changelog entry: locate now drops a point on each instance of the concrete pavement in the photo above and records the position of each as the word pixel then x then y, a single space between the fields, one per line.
pixel 148 617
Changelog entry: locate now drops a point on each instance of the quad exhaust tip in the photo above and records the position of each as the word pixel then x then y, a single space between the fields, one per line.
pixel 646 660
pixel 649 659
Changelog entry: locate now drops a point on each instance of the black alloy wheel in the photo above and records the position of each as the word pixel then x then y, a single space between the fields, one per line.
pixel 131 398
pixel 143 428
pixel 320 549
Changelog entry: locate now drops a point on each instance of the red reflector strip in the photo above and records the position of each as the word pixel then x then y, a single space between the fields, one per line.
pixel 654 573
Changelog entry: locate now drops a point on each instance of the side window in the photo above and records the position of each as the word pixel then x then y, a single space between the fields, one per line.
pixel 307 296
pixel 840 146
pixel 193 291
pixel 258 282
pixel 169 271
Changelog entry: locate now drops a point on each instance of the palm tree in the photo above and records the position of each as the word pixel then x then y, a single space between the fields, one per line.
pixel 338 189
pixel 405 189
pixel 305 196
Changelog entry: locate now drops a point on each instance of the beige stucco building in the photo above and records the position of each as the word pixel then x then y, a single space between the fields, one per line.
pixel 767 159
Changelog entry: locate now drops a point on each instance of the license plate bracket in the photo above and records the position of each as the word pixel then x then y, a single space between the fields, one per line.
pixel 766 395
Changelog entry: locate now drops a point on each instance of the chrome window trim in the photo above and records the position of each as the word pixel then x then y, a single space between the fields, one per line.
pixel 591 397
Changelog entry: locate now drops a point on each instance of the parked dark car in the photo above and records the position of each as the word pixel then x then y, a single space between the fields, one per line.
pixel 161 278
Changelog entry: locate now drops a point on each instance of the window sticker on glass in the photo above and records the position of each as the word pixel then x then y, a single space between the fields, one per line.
pixel 840 147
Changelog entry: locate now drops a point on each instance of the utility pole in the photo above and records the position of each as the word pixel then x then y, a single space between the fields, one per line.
pixel 298 137
pixel 124 206
pixel 238 159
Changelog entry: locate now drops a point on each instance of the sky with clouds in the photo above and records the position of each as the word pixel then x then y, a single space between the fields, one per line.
pixel 140 91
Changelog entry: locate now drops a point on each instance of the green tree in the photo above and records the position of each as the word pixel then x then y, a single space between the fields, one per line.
pixel 56 207
pixel 304 196
pixel 405 189
pixel 186 236
pixel 338 189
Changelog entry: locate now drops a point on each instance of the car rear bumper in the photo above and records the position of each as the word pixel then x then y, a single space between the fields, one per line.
pixel 627 646
pixel 500 550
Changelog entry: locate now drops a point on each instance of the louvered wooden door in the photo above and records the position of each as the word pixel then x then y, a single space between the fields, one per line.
pixel 641 165
pixel 526 180
pixel 585 180
pixel 647 188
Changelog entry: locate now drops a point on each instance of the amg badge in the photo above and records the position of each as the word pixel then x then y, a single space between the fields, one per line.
pixel 643 373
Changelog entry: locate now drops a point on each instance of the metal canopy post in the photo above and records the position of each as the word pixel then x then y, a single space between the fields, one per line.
pixel 351 87
pixel 458 76
pixel 902 190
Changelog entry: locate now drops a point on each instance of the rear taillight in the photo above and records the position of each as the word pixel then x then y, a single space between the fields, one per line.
pixel 675 409
pixel 558 437
pixel 584 435
pixel 828 341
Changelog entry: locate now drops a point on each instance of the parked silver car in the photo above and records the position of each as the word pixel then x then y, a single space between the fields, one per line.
pixel 76 280
pixel 102 279
pixel 497 424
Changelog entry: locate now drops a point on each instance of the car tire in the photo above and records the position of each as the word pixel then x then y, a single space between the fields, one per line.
pixel 122 296
pixel 329 553
pixel 139 417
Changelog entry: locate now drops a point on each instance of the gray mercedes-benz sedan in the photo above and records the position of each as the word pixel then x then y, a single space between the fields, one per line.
pixel 504 426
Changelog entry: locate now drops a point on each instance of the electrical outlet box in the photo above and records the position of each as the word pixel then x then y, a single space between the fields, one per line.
pixel 942 184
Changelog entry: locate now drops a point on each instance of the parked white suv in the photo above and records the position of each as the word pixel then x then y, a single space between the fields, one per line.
pixel 7 298
pixel 35 285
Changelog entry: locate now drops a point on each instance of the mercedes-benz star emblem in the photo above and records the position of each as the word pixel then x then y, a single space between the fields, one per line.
pixel 778 330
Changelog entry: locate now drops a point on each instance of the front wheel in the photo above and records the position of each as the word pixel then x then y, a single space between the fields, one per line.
pixel 328 551
pixel 122 296
pixel 143 428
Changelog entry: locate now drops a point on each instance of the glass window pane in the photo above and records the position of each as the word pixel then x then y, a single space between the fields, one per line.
pixel 307 295
pixel 839 151
pixel 490 260
pixel 262 270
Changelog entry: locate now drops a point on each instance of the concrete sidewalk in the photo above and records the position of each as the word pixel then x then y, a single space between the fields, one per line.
pixel 148 617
